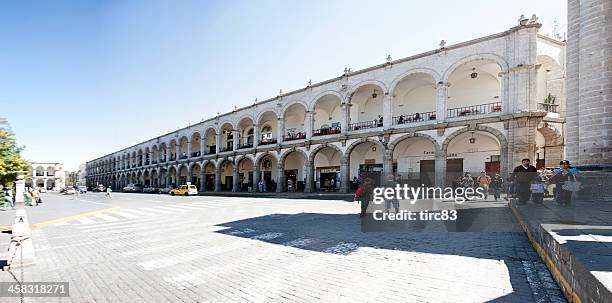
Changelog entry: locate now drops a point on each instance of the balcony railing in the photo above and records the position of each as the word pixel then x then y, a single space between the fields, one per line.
pixel 154 162
pixel 294 136
pixel 551 108
pixel 326 131
pixel 245 145
pixel 417 117
pixel 474 110
pixel 172 157
pixel 268 141
pixel 225 148
pixel 195 154
pixel 50 174
pixel 365 125
pixel 40 174
pixel 162 160
pixel 183 156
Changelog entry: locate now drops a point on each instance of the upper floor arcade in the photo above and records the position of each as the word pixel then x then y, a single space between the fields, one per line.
pixel 502 74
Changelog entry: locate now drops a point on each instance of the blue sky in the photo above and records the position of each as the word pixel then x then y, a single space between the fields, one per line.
pixel 81 79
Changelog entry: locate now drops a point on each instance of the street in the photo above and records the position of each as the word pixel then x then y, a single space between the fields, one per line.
pixel 158 248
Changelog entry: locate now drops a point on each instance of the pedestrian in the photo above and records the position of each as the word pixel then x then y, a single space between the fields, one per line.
pixel 467 181
pixel 496 185
pixel 8 198
pixel 522 176
pixel 290 185
pixel 566 183
pixel 366 191
pixel 380 121
pixel 355 183
pixel 537 191
pixel 483 181
pixel 400 120
pixel 393 202
pixel 332 184
pixel 36 196
pixel 109 192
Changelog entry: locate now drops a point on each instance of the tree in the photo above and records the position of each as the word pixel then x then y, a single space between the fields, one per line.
pixel 10 157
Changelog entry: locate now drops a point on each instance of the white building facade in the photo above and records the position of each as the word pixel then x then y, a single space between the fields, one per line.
pixel 480 105
pixel 49 175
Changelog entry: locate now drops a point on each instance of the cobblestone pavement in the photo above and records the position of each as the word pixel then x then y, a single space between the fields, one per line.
pixel 153 248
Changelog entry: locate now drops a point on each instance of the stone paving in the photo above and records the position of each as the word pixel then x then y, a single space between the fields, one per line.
pixel 223 249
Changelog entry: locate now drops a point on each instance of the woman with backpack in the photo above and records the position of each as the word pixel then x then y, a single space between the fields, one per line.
pixel 565 179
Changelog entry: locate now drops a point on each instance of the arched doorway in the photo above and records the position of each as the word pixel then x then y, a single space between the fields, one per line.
pixel 196 172
pixel 326 162
pixel 472 152
pixel 183 175
pixel 294 164
pixel 366 160
pixel 414 161
pixel 227 175
pixel 245 174
pixel 268 172
pixel 209 176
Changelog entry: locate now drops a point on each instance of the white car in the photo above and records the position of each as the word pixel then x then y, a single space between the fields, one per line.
pixel 70 191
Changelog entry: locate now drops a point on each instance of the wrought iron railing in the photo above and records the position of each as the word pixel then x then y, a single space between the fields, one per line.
pixel 411 118
pixel 296 136
pixel 195 154
pixel 268 141
pixel 551 108
pixel 183 156
pixel 474 110
pixel 172 157
pixel 326 131
pixel 365 125
pixel 225 148
pixel 245 145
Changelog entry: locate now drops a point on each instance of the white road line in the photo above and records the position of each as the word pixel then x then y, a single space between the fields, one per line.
pixel 86 220
pixel 61 224
pixel 192 207
pixel 124 214
pixel 106 217
pixel 138 212
pixel 169 208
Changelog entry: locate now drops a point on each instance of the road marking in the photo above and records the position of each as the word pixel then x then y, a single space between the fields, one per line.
pixel 63 219
pixel 124 214
pixel 106 218
pixel 86 220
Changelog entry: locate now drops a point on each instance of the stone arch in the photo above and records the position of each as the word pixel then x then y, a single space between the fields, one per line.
pixel 223 123
pixel 356 86
pixel 291 103
pixel 313 101
pixel 348 151
pixel 484 56
pixel 261 156
pixel 286 153
pixel 396 141
pixel 314 152
pixel 263 112
pixel 422 70
pixel 242 157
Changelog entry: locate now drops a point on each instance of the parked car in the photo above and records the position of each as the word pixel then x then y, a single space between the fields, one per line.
pixel 69 190
pixel 100 188
pixel 150 190
pixel 132 188
pixel 165 190
pixel 82 189
pixel 185 190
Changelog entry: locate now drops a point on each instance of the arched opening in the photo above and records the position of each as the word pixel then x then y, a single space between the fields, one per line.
pixel 40 183
pixel 147 156
pixel 366 107
pixel 50 171
pixel 140 158
pixel 472 152
pixel 133 160
pixel 227 137
pixel 51 184
pixel 269 173
pixel 295 176
pixel 173 150
pixel 327 169
pixel 154 178
pixel 196 145
pixel 366 160
pixel 414 161
pixel 227 175
pixel 245 174
pixel 210 139
pixel 549 145
pixel 550 93
pixel 29 183
pixel 195 175
pixel 183 175
pixel 294 118
pixel 172 177
pixel 268 123
pixel 146 179
pixel 414 99
pixel 327 116
pixel 474 89
pixel 154 155
pixel 163 152
pixel 163 178
pixel 40 171
pixel 209 174
pixel 183 147
pixel 245 133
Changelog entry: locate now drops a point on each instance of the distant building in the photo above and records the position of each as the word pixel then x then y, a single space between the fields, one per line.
pixel 49 175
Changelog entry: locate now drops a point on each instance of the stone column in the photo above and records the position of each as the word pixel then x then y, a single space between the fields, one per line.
pixel 255 135
pixel 188 149
pixel 387 111
pixel 309 124
pixel 218 178
pixel 256 177
pixel 345 117
pixel 189 174
pixel 344 174
pixel 440 169
pixel 281 129
pixel 203 180
pixel 441 101
pixel 387 164
pixel 236 139
pixel 218 143
pixel 235 182
pixel 309 173
pixel 280 171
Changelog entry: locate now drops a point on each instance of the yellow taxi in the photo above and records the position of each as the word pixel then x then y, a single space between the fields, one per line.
pixel 185 190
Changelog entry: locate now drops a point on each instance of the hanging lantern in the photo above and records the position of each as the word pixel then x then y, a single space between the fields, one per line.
pixel 474 74
pixel 472 139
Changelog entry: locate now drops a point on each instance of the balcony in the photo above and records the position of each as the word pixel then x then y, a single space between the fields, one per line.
pixel 154 162
pixel 162 160
pixel 268 141
pixel 294 136
pixel 326 131
pixel 40 174
pixel 172 157
pixel 183 156
pixel 474 110
pixel 551 108
pixel 365 125
pixel 195 154
pixel 245 145
pixel 225 148
pixel 417 117
pixel 50 174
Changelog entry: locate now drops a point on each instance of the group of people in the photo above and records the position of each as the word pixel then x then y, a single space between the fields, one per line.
pixel 528 183
pixel 489 185
pixel 31 195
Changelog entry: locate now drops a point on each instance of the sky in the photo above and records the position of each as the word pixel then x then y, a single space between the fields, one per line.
pixel 81 79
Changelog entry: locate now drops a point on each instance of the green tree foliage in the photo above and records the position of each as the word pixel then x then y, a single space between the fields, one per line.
pixel 10 158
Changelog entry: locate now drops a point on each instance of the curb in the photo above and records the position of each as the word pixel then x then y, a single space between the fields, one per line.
pixel 568 291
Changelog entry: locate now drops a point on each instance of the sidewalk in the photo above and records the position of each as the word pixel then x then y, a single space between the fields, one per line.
pixel 285 195
pixel 575 243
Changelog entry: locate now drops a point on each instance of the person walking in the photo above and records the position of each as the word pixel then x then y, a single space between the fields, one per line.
pixel 393 202
pixel 332 184
pixel 484 181
pixel 366 192
pixel 109 192
pixel 496 185
pixel 566 183
pixel 8 198
pixel 522 176
pixel 36 196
